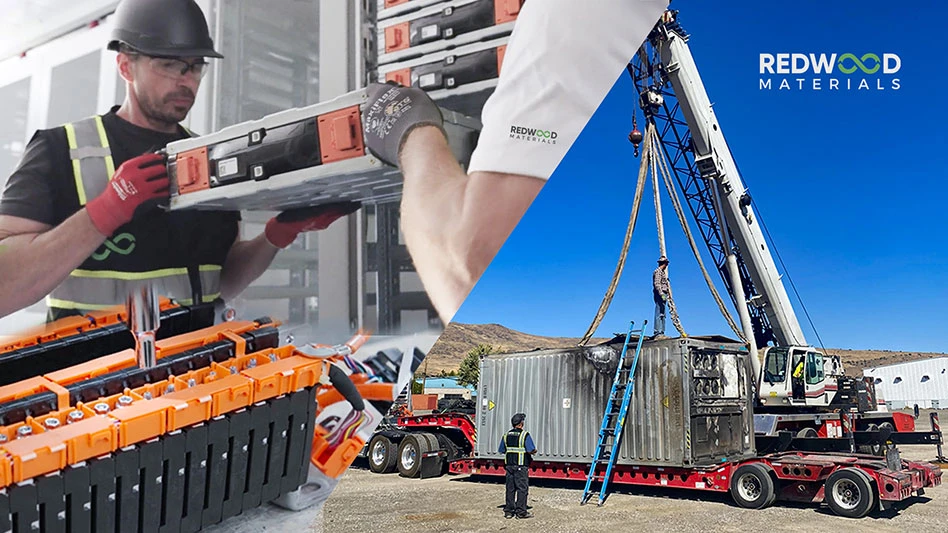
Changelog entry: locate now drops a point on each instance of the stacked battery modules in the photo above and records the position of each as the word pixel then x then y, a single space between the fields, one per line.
pixel 453 49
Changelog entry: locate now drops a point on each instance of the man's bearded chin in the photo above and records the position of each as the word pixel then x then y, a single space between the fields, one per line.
pixel 168 112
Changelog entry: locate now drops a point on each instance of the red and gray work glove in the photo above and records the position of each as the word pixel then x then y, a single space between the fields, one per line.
pixel 137 186
pixel 283 229
pixel 391 112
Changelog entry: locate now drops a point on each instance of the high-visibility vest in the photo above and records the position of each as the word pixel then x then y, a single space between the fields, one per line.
pixel 798 371
pixel 516 441
pixel 95 289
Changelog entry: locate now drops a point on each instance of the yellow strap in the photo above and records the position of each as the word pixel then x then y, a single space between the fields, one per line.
pixel 71 136
pixel 205 299
pixel 104 139
pixel 210 268
pixel 76 168
pixel 66 304
pixel 128 276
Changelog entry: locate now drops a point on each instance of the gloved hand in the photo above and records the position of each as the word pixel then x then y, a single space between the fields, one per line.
pixel 283 229
pixel 136 187
pixel 391 113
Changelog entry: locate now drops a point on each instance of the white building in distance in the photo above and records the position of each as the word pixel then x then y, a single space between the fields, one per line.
pixel 903 385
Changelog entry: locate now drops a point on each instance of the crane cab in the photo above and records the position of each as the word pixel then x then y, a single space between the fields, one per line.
pixel 795 376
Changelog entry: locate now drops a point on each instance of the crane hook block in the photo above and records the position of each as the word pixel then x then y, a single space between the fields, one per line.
pixel 635 137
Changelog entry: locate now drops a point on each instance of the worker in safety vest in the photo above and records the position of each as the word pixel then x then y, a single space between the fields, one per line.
pixel 79 217
pixel 518 448
pixel 799 391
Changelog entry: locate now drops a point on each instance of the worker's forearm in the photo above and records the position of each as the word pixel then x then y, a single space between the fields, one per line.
pixel 246 261
pixel 447 258
pixel 32 265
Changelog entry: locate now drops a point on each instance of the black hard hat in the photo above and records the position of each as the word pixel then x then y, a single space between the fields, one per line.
pixel 517 419
pixel 174 28
pixel 663 260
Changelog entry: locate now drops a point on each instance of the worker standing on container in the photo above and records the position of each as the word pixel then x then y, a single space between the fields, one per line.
pixel 79 217
pixel 553 78
pixel 661 292
pixel 518 449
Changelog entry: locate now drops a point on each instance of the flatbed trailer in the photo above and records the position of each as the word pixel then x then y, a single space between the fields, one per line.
pixel 853 485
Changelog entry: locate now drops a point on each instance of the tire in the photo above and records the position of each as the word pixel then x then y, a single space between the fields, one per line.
pixel 382 455
pixel 752 487
pixel 849 492
pixel 410 452
pixel 807 433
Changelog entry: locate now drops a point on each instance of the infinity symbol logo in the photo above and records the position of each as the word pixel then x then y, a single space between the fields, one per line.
pixel 115 245
pixel 859 63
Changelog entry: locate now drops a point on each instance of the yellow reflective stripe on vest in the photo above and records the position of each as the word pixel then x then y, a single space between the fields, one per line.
pixel 92 163
pixel 104 139
pixel 207 298
pixel 210 284
pixel 520 449
pixel 99 289
pixel 56 303
pixel 128 276
pixel 76 167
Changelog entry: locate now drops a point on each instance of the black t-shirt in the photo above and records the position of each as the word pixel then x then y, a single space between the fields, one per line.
pixel 43 188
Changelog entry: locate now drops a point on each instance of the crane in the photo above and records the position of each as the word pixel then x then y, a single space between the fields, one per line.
pixel 674 100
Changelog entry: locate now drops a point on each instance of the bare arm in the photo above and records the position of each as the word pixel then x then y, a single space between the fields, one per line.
pixel 246 261
pixel 35 257
pixel 454 224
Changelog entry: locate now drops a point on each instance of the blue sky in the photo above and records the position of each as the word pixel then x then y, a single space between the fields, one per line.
pixel 849 183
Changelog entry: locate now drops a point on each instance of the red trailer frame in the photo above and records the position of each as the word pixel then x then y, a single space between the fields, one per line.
pixel 791 475
pixel 802 477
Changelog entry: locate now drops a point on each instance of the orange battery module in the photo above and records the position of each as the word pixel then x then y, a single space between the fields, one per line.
pixel 226 419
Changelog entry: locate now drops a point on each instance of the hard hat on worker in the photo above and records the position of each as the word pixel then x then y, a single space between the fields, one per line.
pixel 162 28
pixel 663 260
pixel 517 419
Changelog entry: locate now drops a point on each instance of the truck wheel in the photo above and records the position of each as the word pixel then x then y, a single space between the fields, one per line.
pixel 807 433
pixel 752 487
pixel 382 455
pixel 410 452
pixel 849 492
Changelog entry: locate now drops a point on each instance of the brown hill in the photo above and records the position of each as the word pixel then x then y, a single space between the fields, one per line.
pixel 458 339
pixel 854 361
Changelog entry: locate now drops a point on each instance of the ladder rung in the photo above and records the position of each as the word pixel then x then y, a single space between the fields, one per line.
pixel 623 386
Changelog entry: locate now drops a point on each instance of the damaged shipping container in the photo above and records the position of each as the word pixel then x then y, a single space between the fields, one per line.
pixel 691 405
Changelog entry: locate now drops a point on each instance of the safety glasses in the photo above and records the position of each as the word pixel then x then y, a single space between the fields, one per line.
pixel 178 68
pixel 171 67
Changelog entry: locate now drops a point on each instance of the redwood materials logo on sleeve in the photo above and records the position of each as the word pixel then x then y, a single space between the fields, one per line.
pixel 522 133
pixel 830 72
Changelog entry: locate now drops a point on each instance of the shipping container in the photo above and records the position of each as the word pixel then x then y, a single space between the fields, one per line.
pixel 691 405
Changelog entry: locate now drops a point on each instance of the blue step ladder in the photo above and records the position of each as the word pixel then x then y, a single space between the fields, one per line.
pixel 610 433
